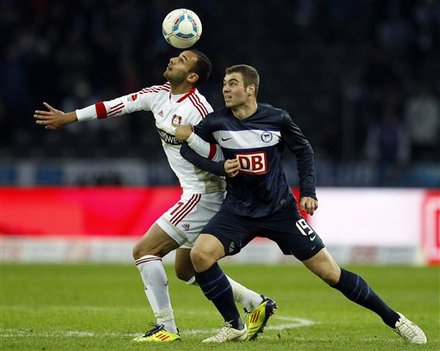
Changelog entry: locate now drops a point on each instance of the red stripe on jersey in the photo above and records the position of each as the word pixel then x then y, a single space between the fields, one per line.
pixel 212 150
pixel 101 112
pixel 150 90
pixel 199 106
pixel 193 201
pixel 200 103
pixel 197 97
pixel 114 110
pixel 187 94
pixel 155 89
pixel 118 106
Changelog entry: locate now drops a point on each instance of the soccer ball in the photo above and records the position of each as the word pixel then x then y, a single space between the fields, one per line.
pixel 182 28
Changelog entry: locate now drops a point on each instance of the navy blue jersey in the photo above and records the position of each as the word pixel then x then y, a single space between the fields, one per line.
pixel 260 188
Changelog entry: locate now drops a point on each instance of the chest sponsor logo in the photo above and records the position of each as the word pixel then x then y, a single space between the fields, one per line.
pixel 253 162
pixel 168 138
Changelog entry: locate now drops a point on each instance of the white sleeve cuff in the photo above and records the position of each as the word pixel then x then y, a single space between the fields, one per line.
pixel 199 145
pixel 86 114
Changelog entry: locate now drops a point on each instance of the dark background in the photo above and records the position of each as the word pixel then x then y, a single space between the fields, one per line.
pixel 360 77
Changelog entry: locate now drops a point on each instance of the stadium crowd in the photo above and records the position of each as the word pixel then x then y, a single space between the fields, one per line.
pixel 360 76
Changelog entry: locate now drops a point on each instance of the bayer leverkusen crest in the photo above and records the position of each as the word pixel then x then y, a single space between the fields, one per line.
pixel 176 120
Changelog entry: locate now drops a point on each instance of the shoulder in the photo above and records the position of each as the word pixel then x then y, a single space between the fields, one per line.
pixel 199 102
pixel 274 113
pixel 219 114
pixel 155 89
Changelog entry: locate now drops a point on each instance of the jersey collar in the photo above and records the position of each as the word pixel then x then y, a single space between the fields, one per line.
pixel 186 95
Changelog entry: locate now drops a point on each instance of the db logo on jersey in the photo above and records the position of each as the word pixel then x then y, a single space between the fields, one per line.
pixel 253 162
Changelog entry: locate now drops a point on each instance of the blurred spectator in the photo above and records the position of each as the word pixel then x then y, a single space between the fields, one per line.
pixel 422 119
pixel 346 55
pixel 387 144
pixel 395 31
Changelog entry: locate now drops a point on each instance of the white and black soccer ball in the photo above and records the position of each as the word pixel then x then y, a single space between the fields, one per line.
pixel 182 28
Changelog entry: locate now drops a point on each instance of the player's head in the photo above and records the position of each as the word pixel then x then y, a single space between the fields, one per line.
pixel 191 67
pixel 202 66
pixel 240 85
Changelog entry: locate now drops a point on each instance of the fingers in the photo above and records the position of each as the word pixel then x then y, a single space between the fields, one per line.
pixel 42 116
pixel 42 113
pixel 232 167
pixel 309 205
pixel 42 119
pixel 48 106
pixel 183 131
pixel 45 120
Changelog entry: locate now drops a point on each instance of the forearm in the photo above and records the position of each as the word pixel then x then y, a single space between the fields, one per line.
pixel 99 110
pixel 204 148
pixel 306 173
pixel 202 162
pixel 70 117
pixel 112 108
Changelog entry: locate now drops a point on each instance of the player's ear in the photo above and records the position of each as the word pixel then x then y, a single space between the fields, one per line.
pixel 250 89
pixel 193 78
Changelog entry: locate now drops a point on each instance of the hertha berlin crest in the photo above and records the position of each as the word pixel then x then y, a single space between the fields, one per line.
pixel 266 137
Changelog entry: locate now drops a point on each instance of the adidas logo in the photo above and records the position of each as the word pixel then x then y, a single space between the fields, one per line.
pixel 255 317
pixel 162 336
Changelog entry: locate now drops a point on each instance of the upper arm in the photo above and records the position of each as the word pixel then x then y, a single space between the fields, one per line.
pixel 204 130
pixel 292 134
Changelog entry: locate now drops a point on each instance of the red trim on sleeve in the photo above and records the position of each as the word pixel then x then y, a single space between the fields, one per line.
pixel 101 112
pixel 212 150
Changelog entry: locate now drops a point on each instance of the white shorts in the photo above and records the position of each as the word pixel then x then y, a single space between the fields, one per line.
pixel 184 221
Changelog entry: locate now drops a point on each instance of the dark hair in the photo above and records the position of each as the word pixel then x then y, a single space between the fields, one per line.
pixel 202 67
pixel 250 75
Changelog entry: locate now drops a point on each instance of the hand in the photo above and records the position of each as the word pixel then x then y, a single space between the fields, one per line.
pixel 53 118
pixel 308 204
pixel 183 132
pixel 232 167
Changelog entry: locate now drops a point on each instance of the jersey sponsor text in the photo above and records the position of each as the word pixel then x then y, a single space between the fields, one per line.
pixel 253 162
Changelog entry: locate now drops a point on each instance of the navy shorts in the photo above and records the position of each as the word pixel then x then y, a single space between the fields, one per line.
pixel 286 227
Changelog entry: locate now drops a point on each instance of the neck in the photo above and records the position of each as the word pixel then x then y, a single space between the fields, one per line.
pixel 245 111
pixel 180 89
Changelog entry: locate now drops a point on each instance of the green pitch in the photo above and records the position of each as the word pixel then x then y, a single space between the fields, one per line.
pixel 102 307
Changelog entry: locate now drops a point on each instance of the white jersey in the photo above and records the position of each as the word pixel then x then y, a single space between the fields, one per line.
pixel 168 110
